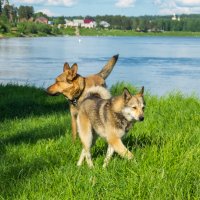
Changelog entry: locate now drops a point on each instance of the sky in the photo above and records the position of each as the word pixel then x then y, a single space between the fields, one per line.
pixel 111 7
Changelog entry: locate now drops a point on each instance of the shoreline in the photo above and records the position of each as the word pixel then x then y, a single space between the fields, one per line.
pixel 113 32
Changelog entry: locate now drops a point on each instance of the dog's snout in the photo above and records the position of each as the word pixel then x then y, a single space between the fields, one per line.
pixel 141 118
pixel 47 91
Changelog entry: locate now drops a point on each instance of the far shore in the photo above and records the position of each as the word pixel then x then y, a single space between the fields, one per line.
pixel 2 36
pixel 108 32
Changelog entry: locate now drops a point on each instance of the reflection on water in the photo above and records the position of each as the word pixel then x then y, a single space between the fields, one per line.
pixel 161 64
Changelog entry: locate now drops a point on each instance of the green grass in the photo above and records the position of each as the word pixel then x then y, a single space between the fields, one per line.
pixel 106 32
pixel 38 158
pixel 115 32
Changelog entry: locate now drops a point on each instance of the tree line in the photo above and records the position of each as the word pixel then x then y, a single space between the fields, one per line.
pixel 22 19
pixel 153 23
pixel 149 23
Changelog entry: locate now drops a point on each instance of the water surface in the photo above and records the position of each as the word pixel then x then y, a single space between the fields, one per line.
pixel 161 64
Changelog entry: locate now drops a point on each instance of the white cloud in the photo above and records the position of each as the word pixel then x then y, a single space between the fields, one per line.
pixel 29 1
pixel 169 7
pixel 125 3
pixel 67 3
pixel 60 2
pixel 47 12
pixel 188 2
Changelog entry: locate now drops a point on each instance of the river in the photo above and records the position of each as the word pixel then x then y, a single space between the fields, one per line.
pixel 161 64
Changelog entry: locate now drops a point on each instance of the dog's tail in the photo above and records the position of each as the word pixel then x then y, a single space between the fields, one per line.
pixel 107 69
pixel 98 91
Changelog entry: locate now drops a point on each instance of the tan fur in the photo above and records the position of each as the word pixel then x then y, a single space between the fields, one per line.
pixel 110 119
pixel 74 87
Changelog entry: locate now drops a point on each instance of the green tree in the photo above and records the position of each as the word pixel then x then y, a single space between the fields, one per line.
pixel 44 28
pixel 10 12
pixel 3 28
pixel 1 7
pixel 25 12
pixel 144 25
pixel 59 20
pixel 21 27
pixel 31 28
pixel 40 14
pixel 55 30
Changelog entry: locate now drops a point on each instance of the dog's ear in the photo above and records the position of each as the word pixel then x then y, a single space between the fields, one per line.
pixel 74 69
pixel 66 67
pixel 141 91
pixel 127 95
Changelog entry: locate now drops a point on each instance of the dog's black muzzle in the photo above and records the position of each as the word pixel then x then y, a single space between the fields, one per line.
pixel 141 118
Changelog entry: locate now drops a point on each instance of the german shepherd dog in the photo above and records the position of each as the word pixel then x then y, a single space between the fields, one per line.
pixel 109 117
pixel 74 86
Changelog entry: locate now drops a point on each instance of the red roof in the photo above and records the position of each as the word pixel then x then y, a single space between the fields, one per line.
pixel 42 20
pixel 87 21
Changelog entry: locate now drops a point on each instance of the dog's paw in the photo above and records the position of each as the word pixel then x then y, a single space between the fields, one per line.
pixel 78 164
pixel 129 155
pixel 90 166
pixel 105 165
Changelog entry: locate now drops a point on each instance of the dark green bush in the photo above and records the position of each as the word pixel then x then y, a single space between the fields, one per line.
pixel 56 30
pixel 3 28
pixel 21 27
pixel 44 28
pixel 31 28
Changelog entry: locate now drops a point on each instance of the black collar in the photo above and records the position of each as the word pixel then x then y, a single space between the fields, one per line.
pixel 74 101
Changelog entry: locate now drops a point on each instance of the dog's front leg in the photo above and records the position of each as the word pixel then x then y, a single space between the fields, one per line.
pixel 119 147
pixel 109 154
pixel 73 112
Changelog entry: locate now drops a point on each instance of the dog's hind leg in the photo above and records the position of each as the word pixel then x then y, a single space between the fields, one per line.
pixel 109 154
pixel 88 159
pixel 119 147
pixel 73 121
pixel 85 133
pixel 81 159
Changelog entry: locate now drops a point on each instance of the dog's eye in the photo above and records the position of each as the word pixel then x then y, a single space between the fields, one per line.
pixel 134 107
pixel 143 107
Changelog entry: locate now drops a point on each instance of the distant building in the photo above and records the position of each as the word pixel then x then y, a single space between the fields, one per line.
pixel 59 26
pixel 174 18
pixel 104 24
pixel 26 20
pixel 74 23
pixel 42 20
pixel 50 23
pixel 86 23
pixel 68 23
pixel 78 22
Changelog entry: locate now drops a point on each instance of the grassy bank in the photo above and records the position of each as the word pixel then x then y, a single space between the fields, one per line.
pixel 114 32
pixel 102 32
pixel 52 31
pixel 38 158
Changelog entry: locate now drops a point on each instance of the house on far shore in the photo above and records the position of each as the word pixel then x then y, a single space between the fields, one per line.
pixel 85 23
pixel 104 24
pixel 174 18
pixel 42 20
pixel 78 22
pixel 89 23
pixel 73 23
pixel 26 20
pixel 50 23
